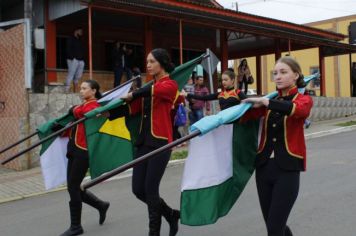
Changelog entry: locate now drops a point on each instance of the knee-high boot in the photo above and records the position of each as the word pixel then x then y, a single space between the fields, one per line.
pixel 92 200
pixel 288 231
pixel 172 216
pixel 75 219
pixel 155 217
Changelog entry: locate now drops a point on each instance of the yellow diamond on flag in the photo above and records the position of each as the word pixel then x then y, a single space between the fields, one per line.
pixel 116 128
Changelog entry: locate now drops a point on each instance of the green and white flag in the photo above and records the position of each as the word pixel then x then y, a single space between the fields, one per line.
pixel 219 164
pixel 217 169
pixel 53 153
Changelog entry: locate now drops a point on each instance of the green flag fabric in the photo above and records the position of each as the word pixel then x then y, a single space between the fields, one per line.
pixel 45 129
pixel 217 169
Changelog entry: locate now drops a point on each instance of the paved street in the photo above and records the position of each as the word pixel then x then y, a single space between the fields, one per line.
pixel 326 204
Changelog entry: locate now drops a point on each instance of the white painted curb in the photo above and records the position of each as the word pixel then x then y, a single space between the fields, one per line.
pixel 330 132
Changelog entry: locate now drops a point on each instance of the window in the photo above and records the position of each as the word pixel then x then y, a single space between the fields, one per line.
pixel 61 52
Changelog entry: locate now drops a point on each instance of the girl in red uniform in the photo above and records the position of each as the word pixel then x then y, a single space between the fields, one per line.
pixel 228 97
pixel 78 162
pixel 154 103
pixel 282 153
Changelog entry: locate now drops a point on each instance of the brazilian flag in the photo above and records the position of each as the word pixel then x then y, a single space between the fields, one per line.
pixel 111 143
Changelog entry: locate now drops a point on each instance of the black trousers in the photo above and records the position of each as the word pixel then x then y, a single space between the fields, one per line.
pixel 146 177
pixel 244 82
pixel 77 168
pixel 277 191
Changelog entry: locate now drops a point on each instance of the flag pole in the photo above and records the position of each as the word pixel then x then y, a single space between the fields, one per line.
pixel 18 142
pixel 139 160
pixel 210 79
pixel 57 132
pixel 43 140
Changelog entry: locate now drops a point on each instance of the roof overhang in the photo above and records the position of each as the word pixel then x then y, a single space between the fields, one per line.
pixel 264 30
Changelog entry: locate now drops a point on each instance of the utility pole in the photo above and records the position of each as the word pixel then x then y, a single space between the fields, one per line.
pixel 28 9
pixel 28 15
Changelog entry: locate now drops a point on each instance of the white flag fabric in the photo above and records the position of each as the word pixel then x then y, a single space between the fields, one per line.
pixel 54 163
pixel 116 94
pixel 209 161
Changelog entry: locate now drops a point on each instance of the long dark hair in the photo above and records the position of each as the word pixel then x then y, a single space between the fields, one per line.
pixel 295 67
pixel 162 56
pixel 94 85
pixel 242 63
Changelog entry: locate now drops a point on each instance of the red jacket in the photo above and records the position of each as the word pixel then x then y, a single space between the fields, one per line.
pixel 154 103
pixel 164 93
pixel 78 112
pixel 283 129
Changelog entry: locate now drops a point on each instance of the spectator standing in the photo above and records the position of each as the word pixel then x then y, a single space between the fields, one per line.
pixel 197 107
pixel 75 59
pixel 121 57
pixel 243 75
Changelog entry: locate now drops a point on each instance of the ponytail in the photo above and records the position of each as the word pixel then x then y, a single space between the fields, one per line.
pixel 300 81
pixel 94 85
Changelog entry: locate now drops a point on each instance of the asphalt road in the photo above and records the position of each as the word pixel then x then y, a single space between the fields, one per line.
pixel 326 204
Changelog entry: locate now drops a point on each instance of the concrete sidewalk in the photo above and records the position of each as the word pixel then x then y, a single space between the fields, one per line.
pixel 15 185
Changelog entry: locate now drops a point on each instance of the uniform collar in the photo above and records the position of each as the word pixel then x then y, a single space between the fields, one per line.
pixel 90 100
pixel 229 89
pixel 293 90
pixel 164 78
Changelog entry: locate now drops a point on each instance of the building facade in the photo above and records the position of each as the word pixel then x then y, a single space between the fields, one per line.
pixel 337 68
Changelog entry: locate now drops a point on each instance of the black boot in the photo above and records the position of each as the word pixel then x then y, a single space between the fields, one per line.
pixel 75 220
pixel 155 217
pixel 172 216
pixel 90 199
pixel 288 232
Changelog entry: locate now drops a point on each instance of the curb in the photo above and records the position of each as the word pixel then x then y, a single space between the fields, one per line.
pixel 123 175
pixel 330 132
pixel 31 195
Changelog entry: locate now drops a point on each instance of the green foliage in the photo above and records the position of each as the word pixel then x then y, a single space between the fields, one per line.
pixel 178 155
pixel 348 123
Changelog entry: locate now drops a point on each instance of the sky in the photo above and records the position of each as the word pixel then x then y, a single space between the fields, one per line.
pixel 295 11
